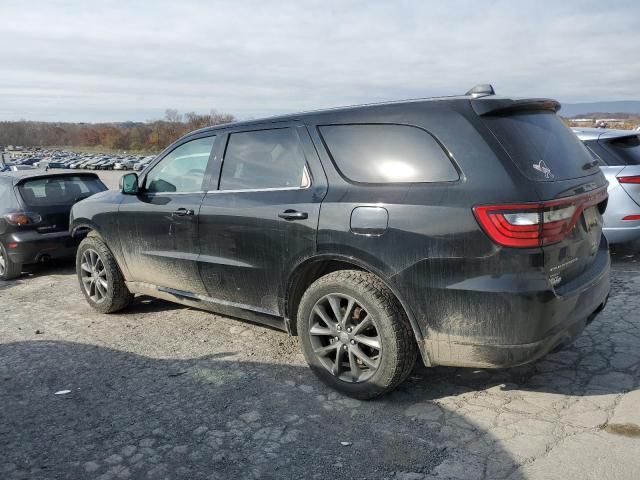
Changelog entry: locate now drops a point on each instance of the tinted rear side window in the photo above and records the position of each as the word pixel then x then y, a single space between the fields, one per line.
pixel 387 154
pixel 263 159
pixel 542 146
pixel 59 190
pixel 627 148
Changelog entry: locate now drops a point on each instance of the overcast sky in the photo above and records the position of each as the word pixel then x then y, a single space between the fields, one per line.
pixel 119 60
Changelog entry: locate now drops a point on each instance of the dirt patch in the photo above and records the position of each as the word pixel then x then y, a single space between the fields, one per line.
pixel 624 429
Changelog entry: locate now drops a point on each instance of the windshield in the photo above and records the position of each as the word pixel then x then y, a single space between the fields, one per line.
pixel 59 190
pixel 628 148
pixel 541 146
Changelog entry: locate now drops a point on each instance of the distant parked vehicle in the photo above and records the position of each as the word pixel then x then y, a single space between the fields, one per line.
pixel 141 165
pixel 29 161
pixel 17 168
pixel 34 216
pixel 124 164
pixel 618 155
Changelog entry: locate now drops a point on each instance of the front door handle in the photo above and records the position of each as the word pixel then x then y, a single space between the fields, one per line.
pixel 293 215
pixel 183 212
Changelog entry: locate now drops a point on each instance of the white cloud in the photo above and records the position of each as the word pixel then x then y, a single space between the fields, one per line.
pixel 119 60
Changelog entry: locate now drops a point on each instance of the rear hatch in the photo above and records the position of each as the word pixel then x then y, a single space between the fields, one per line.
pixel 48 200
pixel 569 183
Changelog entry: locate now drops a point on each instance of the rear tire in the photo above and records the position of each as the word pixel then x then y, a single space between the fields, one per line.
pixel 8 268
pixel 100 278
pixel 354 334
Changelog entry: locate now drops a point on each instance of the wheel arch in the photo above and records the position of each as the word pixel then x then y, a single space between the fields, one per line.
pixel 308 271
pixel 84 227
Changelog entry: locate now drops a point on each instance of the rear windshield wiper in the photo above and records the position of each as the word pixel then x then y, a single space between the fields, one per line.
pixel 590 165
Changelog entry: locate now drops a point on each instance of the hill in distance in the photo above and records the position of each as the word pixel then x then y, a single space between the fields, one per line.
pixel 572 110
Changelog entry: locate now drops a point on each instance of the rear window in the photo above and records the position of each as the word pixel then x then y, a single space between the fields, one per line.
pixel 627 148
pixel 387 154
pixel 59 190
pixel 7 199
pixel 542 146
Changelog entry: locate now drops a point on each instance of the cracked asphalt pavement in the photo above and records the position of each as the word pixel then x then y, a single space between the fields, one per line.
pixel 163 391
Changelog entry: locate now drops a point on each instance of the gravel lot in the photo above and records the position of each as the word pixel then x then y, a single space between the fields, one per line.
pixel 164 391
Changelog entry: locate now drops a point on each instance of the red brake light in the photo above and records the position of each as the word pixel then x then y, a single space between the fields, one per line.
pixel 632 217
pixel 630 179
pixel 531 225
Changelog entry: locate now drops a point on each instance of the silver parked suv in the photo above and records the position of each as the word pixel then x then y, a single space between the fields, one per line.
pixel 618 154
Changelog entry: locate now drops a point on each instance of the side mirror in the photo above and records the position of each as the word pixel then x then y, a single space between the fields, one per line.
pixel 129 184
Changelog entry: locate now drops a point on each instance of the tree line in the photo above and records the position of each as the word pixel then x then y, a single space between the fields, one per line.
pixel 150 136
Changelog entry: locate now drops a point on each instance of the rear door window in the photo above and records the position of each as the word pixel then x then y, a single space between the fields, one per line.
pixel 626 148
pixel 7 197
pixel 59 190
pixel 541 146
pixel 264 159
pixel 377 153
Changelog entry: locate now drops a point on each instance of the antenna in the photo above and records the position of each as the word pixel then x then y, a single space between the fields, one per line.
pixel 483 90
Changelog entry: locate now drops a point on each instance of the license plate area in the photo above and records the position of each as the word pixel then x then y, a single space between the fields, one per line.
pixel 593 227
pixel 592 219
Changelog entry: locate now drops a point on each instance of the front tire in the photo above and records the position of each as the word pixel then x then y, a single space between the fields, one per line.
pixel 100 278
pixel 354 334
pixel 8 268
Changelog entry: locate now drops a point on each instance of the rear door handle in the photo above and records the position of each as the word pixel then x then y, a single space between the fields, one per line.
pixel 183 212
pixel 293 215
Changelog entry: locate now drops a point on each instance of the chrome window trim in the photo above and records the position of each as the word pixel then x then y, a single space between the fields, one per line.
pixel 154 194
pixel 250 190
pixel 306 184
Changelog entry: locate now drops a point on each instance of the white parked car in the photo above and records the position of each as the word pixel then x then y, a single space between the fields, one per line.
pixel 618 154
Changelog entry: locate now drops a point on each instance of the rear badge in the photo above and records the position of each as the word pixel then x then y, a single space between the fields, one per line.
pixel 542 168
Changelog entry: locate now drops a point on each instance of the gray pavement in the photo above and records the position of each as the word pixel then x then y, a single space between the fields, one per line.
pixel 163 391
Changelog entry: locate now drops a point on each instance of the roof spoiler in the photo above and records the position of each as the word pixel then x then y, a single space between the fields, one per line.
pixel 20 180
pixel 502 106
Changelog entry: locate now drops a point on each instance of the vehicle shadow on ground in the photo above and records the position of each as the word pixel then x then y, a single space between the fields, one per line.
pixel 144 304
pixel 64 266
pixel 53 267
pixel 128 415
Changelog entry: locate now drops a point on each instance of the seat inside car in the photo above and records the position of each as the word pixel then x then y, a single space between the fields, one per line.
pixel 28 196
pixel 72 191
pixel 54 192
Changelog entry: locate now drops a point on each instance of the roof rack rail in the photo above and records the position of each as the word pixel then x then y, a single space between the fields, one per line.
pixel 483 90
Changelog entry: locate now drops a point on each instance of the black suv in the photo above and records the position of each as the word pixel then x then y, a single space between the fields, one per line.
pixel 34 216
pixel 468 229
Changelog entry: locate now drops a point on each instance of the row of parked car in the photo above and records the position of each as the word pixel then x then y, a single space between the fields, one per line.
pixel 62 159
pixel 465 230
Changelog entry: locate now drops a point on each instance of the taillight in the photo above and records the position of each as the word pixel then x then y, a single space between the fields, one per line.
pixel 531 225
pixel 629 179
pixel 632 218
pixel 22 219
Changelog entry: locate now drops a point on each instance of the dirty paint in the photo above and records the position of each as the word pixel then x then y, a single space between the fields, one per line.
pixel 469 301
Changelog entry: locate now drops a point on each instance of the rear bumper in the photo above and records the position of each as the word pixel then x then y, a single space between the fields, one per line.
pixel 538 320
pixel 622 234
pixel 33 247
pixel 504 356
